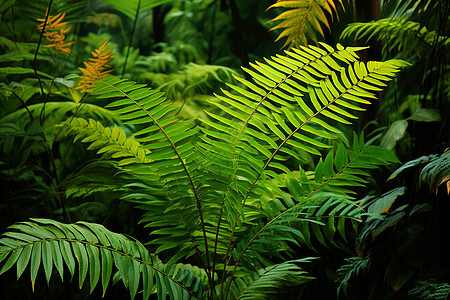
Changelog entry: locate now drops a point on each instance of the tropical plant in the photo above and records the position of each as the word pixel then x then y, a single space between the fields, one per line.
pixel 226 195
pixel 222 178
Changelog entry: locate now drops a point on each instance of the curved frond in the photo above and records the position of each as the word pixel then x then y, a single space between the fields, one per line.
pixel 172 154
pixel 57 112
pixel 399 35
pixel 317 207
pixel 93 248
pixel 295 100
pixel 303 19
pixel 112 143
pixel 270 282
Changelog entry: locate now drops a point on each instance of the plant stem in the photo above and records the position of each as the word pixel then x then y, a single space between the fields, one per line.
pixel 39 44
pixel 42 115
pixel 11 31
pixel 131 37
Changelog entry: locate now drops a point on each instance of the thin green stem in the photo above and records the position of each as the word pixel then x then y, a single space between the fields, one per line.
pixel 42 114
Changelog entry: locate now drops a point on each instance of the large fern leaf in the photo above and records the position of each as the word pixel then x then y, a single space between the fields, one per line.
pixel 312 207
pixel 94 249
pixel 273 118
pixel 173 156
pixel 303 19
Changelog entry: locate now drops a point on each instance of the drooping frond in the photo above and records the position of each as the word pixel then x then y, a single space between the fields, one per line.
pixel 271 282
pixel 112 143
pixel 399 35
pixel 172 155
pixel 57 112
pixel 430 290
pixel 96 251
pixel 435 173
pixel 303 19
pixel 354 268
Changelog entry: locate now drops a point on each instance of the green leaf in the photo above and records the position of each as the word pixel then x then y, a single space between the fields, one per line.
pixel 11 260
pixel 35 262
pixel 107 265
pixel 47 260
pixel 395 132
pixel 426 115
pixel 24 259
pixel 383 204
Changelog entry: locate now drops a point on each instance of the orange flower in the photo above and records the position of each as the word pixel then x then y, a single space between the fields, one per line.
pixel 96 69
pixel 55 37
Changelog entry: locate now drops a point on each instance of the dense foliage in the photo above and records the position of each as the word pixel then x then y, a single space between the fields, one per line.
pixel 280 179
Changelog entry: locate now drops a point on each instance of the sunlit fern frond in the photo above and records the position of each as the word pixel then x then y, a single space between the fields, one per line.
pixel 111 143
pixel 96 251
pixel 303 20
pixel 399 35
pixel 295 99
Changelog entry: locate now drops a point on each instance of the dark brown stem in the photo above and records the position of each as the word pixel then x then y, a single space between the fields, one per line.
pixel 11 31
pixel 39 44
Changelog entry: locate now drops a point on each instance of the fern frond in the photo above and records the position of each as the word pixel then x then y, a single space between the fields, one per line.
pixel 399 35
pixel 320 208
pixel 57 112
pixel 112 143
pixel 270 282
pixel 435 173
pixel 172 155
pixel 303 19
pixel 92 247
pixel 273 117
pixel 354 267
pixel 430 290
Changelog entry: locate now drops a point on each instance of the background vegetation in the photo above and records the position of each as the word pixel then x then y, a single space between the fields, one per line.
pixel 206 175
